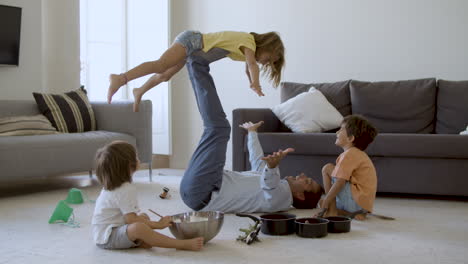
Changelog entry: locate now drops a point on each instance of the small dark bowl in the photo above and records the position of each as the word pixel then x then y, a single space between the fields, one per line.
pixel 278 224
pixel 339 224
pixel 312 227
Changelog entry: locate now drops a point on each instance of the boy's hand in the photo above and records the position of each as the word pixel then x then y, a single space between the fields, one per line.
pixel 165 221
pixel 322 203
pixel 274 159
pixel 257 89
pixel 251 127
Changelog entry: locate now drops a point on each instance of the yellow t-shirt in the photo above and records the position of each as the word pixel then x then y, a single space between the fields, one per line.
pixel 355 166
pixel 230 41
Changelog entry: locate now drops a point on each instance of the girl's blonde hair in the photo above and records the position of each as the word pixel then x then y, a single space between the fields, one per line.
pixel 271 42
pixel 115 164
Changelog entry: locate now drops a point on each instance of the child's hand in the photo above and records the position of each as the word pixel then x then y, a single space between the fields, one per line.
pixel 322 204
pixel 257 89
pixel 165 221
pixel 274 159
pixel 251 127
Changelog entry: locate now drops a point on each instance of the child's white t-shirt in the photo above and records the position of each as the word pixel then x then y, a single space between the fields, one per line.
pixel 111 206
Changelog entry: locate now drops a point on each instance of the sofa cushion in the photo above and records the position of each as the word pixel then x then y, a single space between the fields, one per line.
pixel 26 126
pixel 452 107
pixel 56 154
pixel 69 112
pixel 308 112
pixel 337 93
pixel 385 145
pixel 420 146
pixel 396 107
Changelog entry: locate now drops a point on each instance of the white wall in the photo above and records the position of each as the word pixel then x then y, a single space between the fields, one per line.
pixel 49 50
pixel 61 38
pixel 326 41
pixel 18 82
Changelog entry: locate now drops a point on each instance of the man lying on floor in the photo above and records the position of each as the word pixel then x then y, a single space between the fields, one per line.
pixel 262 189
pixel 207 186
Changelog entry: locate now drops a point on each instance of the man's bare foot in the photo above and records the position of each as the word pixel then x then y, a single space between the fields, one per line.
pixel 194 244
pixel 116 81
pixel 137 94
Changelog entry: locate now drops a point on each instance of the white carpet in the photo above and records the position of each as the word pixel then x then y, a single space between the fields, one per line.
pixel 426 231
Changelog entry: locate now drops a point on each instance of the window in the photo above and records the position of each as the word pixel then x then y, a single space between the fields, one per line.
pixel 117 35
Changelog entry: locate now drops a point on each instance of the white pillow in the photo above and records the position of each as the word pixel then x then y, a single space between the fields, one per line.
pixel 308 112
pixel 465 132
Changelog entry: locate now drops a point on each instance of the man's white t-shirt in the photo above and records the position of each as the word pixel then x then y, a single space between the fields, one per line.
pixel 111 206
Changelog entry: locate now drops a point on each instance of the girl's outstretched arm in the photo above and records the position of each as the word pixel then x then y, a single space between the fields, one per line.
pixel 248 73
pixel 253 70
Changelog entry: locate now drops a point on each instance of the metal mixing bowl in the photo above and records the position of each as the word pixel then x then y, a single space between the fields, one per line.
pixel 197 224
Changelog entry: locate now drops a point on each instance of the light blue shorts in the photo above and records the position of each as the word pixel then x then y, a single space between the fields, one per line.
pixel 191 40
pixel 344 199
pixel 118 239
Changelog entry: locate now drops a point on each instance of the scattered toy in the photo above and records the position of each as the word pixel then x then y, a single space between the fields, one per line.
pixel 165 193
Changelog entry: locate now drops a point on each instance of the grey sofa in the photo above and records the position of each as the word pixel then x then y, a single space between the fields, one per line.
pixel 49 155
pixel 418 149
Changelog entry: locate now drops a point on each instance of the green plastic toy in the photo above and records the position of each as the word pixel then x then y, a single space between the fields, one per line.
pixel 64 215
pixel 74 196
pixel 62 212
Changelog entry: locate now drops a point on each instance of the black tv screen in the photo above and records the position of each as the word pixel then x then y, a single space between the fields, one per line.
pixel 10 31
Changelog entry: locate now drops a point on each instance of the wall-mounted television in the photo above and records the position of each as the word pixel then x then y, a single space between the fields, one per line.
pixel 10 31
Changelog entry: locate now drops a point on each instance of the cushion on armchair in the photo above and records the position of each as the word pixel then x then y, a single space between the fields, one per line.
pixel 69 112
pixel 396 107
pixel 308 112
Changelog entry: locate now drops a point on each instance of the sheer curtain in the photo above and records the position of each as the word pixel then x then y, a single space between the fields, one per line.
pixel 116 35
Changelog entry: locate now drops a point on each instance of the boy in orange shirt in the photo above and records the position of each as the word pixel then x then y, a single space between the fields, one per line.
pixel 351 184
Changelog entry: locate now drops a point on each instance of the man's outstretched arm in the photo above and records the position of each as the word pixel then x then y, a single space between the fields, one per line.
pixel 253 144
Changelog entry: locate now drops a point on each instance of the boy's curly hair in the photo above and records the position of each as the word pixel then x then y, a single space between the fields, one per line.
pixel 362 130
pixel 272 43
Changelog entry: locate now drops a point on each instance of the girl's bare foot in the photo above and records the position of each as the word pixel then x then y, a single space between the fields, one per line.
pixel 194 244
pixel 137 94
pixel 116 81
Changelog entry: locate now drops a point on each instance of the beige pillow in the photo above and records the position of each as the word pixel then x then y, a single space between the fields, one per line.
pixel 26 126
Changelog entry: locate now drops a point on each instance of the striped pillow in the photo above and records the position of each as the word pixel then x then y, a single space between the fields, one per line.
pixel 69 112
pixel 26 126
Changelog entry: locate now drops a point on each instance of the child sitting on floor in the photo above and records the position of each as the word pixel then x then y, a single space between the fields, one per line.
pixel 351 185
pixel 116 221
